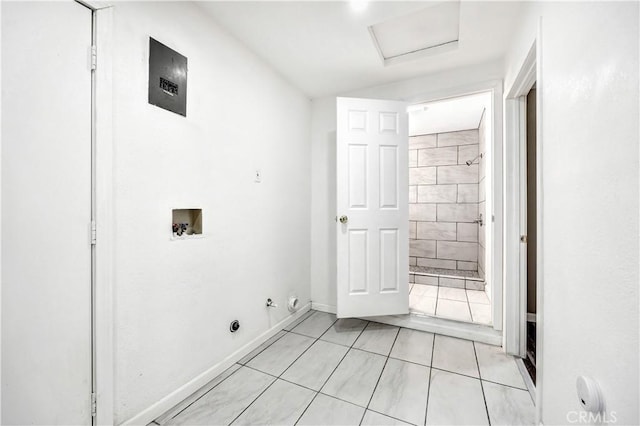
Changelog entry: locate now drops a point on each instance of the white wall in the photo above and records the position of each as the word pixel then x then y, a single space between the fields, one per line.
pixel 174 299
pixel 323 167
pixel 588 90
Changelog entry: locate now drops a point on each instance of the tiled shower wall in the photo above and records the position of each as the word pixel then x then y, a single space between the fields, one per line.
pixel 443 200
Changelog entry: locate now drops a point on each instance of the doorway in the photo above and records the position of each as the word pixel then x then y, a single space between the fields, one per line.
pixel 47 213
pixel 449 202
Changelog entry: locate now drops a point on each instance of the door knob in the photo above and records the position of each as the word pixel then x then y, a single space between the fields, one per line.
pixel 344 219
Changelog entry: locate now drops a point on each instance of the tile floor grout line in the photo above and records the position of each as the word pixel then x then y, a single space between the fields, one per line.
pixel 265 348
pixel 433 350
pixel 252 402
pixel 484 397
pixel 201 396
pixel 466 296
pixel 334 369
pixel 383 367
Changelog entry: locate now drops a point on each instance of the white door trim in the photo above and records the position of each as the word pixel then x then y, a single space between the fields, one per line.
pixel 103 320
pixel 496 243
pixel 515 255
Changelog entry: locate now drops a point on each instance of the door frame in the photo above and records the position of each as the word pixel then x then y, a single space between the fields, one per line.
pixel 103 347
pixel 495 246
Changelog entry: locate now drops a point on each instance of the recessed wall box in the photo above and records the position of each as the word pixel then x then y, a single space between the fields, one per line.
pixel 167 78
pixel 186 222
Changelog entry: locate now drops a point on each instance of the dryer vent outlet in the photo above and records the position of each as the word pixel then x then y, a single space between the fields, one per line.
pixel 234 326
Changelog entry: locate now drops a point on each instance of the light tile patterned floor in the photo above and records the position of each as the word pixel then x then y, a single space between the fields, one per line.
pixel 451 303
pixel 323 371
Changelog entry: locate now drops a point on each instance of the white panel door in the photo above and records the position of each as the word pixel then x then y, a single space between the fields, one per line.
pixel 46 213
pixel 372 208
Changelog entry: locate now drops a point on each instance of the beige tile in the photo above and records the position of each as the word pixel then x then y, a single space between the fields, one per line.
pixel 412 230
pixel 422 304
pixel 453 309
pixel 413 261
pixel 422 248
pixel 457 174
pixel 422 141
pixel 467 193
pixel 457 251
pixel 422 212
pixel 468 232
pixel 509 406
pixel 413 158
pixel 427 280
pixel 437 193
pixel 467 153
pixel 456 212
pixel 411 278
pixel 438 156
pixel 437 263
pixel 480 313
pixel 451 282
pixel 436 231
pixel 455 355
pixel 498 367
pixel 482 189
pixel 413 194
pixel 467 266
pixel 464 137
pixel 425 290
pixel 423 175
pixel 450 293
pixel 481 254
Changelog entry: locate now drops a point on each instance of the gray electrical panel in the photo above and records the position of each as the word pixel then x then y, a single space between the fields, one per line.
pixel 167 78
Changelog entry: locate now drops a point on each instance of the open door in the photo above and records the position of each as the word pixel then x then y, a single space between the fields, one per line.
pixel 372 221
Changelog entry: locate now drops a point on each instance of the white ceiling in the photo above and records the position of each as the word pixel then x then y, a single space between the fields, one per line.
pixel 448 115
pixel 324 47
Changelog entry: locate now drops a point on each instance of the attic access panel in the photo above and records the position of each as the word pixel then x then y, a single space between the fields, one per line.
pixel 167 78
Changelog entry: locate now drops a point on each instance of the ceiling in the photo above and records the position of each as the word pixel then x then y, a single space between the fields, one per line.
pixel 325 48
pixel 449 115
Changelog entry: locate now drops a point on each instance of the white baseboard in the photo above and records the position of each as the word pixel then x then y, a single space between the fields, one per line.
pixel 157 409
pixel 323 308
pixel 462 330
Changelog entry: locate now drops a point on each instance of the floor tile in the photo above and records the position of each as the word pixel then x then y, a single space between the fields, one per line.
pixel 455 400
pixel 299 320
pixel 453 309
pixel 422 304
pixel 414 346
pixel 355 378
pixel 371 418
pixel 450 293
pixel 279 356
pixel 476 296
pixel 315 325
pixel 455 355
pixel 425 290
pixel 377 338
pixel 196 395
pixel 496 366
pixel 480 313
pixel 282 404
pixel 315 366
pixel 262 347
pixel 227 400
pixel 345 331
pixel 508 406
pixel 402 391
pixel 326 410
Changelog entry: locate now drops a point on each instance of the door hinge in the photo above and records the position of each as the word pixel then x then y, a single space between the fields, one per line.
pixel 523 239
pixel 94 233
pixel 94 404
pixel 94 58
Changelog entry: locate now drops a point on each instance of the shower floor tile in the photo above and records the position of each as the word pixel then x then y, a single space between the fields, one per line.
pixel 450 303
pixel 397 376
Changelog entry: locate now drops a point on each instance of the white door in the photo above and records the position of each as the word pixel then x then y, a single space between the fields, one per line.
pixel 372 208
pixel 46 213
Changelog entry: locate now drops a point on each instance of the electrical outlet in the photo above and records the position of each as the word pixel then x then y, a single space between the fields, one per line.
pixel 258 177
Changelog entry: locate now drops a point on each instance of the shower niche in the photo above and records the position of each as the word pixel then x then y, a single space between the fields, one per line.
pixel 186 223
